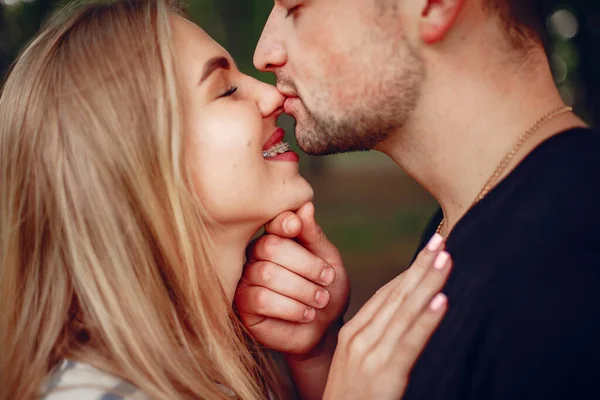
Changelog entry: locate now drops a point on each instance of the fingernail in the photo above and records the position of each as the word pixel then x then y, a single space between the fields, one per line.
pixel 435 242
pixel 322 297
pixel 309 314
pixel 327 276
pixel 441 260
pixel 438 302
pixel 288 225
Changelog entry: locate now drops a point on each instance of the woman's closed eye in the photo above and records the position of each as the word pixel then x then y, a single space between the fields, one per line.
pixel 229 92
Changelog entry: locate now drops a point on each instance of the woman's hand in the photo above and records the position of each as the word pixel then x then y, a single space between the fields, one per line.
pixel 377 349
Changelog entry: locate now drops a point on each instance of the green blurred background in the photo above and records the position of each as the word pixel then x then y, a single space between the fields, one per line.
pixel 367 206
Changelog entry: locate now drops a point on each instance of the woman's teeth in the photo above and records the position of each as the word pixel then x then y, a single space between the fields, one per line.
pixel 279 148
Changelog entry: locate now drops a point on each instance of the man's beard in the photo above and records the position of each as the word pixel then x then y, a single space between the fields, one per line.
pixel 371 121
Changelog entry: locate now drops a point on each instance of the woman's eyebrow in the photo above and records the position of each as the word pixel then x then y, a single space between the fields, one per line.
pixel 214 64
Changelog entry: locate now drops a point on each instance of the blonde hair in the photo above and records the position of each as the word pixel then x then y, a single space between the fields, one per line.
pixel 104 258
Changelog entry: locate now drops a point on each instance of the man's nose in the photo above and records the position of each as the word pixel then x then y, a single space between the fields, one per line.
pixel 270 51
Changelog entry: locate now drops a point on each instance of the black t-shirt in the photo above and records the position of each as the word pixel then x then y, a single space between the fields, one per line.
pixel 524 295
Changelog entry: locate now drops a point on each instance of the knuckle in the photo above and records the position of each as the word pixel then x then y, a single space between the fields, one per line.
pixel 260 299
pixel 373 362
pixel 423 260
pixel 345 334
pixel 388 286
pixel 307 293
pixel 398 294
pixel 358 345
pixel 270 244
pixel 265 272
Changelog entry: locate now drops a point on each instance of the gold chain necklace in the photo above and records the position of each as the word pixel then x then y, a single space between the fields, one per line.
pixel 508 157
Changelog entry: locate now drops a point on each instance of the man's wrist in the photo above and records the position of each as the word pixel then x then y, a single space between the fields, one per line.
pixel 322 352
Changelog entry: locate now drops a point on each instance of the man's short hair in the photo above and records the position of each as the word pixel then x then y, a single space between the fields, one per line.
pixel 523 20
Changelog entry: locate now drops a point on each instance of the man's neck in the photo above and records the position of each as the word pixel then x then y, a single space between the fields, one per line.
pixel 459 136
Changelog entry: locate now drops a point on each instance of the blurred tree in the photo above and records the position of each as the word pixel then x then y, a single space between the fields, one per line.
pixel 4 58
pixel 19 22
pixel 587 41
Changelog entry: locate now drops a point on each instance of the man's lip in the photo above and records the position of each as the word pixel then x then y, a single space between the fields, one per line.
pixel 275 138
pixel 287 93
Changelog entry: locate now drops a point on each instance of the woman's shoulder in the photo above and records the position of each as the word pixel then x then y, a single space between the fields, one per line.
pixel 79 381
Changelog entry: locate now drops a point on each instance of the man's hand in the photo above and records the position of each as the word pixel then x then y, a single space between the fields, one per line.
pixel 294 286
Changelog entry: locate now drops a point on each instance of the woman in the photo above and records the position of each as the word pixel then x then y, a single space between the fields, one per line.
pixel 136 163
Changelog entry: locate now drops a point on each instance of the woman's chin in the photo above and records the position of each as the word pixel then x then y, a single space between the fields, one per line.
pixel 297 202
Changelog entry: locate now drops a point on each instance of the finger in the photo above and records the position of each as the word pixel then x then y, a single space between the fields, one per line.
pixel 313 238
pixel 285 225
pixel 409 311
pixel 398 289
pixel 412 343
pixel 280 280
pixel 294 257
pixel 255 303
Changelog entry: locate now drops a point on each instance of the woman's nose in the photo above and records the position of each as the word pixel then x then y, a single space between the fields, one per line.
pixel 269 100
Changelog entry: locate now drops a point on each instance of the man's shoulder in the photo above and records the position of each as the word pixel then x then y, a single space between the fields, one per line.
pixel 551 202
pixel 584 140
pixel 571 154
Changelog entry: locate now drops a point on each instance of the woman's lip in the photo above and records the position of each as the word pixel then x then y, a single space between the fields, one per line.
pixel 275 138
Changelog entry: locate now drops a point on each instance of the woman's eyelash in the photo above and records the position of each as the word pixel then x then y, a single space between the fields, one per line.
pixel 229 92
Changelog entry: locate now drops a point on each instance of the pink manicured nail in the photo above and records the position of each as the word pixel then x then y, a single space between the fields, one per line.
pixel 327 276
pixel 435 242
pixel 438 302
pixel 441 260
pixel 309 314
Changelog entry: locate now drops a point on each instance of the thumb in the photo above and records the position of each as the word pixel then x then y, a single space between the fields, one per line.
pixel 313 238
pixel 285 225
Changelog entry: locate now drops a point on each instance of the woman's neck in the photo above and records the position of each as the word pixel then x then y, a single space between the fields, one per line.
pixel 228 254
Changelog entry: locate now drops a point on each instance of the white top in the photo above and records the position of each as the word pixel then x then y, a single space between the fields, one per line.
pixel 78 381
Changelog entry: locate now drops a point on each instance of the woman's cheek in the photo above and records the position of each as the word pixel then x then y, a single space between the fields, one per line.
pixel 229 191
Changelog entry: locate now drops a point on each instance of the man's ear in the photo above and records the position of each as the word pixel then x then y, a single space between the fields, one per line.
pixel 437 18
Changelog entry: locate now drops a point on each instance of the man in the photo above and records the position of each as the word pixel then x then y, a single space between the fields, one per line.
pixel 460 95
